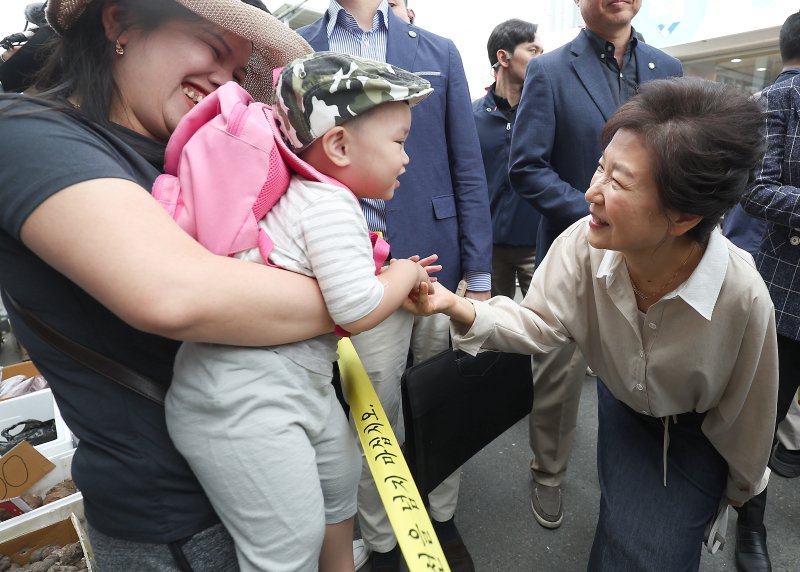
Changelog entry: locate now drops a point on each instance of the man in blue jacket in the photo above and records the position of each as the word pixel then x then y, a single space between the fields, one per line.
pixel 441 207
pixel 512 44
pixel 568 96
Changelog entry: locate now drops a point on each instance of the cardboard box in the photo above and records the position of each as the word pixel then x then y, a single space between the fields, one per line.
pixel 63 532
pixel 49 513
pixel 25 368
pixel 38 405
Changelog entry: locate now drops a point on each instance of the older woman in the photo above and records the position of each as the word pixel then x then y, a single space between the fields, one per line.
pixel 675 320
pixel 85 247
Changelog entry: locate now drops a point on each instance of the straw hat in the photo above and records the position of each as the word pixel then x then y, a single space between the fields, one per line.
pixel 274 43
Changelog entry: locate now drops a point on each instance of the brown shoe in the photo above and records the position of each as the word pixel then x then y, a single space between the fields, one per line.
pixel 546 505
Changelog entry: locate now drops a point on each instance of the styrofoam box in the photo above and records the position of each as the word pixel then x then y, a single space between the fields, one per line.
pixel 38 405
pixel 49 513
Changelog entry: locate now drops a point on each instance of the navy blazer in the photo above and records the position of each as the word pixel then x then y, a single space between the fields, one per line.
pixel 744 230
pixel 514 221
pixel 556 141
pixel 442 205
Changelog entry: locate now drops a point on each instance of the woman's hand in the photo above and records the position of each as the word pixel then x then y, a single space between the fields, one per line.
pixel 426 300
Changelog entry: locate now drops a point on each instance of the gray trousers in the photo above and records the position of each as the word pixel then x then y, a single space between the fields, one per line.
pixel 557 382
pixel 271 446
pixel 509 264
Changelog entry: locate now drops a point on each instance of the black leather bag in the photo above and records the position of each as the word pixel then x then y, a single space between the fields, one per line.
pixel 455 404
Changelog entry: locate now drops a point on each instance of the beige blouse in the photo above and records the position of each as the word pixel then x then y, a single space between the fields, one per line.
pixel 709 346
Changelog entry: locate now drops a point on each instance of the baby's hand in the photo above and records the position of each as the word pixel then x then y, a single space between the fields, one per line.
pixel 423 274
pixel 422 278
pixel 428 264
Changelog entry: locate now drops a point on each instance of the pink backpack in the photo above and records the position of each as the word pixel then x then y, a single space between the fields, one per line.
pixel 226 165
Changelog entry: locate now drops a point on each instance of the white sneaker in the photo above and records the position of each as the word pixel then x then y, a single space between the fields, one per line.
pixel 361 553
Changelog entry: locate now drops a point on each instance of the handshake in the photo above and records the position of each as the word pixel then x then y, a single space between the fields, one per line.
pixel 424 299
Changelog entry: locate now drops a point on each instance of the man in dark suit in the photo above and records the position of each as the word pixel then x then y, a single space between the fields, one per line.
pixel 441 207
pixel 567 97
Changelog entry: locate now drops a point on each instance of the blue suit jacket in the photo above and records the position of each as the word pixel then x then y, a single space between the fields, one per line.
pixel 442 205
pixel 556 141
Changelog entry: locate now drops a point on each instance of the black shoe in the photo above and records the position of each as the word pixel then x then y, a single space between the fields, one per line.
pixel 785 462
pixel 453 546
pixel 385 561
pixel 751 550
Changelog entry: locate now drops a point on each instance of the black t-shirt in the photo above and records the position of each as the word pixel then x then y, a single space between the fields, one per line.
pixel 136 486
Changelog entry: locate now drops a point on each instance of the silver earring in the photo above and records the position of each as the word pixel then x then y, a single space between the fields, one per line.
pixel 119 49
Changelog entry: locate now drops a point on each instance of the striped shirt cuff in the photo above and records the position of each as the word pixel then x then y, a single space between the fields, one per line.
pixel 479 281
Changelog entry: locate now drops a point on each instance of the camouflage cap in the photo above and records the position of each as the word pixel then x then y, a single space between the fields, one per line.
pixel 319 91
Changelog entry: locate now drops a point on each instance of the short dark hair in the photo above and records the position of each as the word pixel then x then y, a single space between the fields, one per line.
pixel 789 38
pixel 704 139
pixel 508 35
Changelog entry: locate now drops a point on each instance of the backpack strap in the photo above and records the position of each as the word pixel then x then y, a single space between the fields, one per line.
pixel 380 250
pixel 88 357
pixel 265 246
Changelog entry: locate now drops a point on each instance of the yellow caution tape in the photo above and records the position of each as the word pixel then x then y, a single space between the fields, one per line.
pixel 398 492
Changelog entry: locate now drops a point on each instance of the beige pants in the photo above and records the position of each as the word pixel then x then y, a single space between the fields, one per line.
pixel 509 264
pixel 789 429
pixel 384 351
pixel 557 382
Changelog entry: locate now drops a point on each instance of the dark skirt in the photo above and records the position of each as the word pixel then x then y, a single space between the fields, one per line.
pixel 644 525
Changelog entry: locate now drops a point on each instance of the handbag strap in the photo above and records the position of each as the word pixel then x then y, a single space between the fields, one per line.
pixel 89 358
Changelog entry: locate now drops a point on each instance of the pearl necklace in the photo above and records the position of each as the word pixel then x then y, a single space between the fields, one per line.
pixel 667 284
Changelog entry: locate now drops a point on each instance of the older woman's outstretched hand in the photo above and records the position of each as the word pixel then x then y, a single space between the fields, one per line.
pixel 429 299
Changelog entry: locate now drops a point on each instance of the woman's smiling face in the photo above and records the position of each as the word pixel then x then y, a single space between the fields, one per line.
pixel 626 212
pixel 163 73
